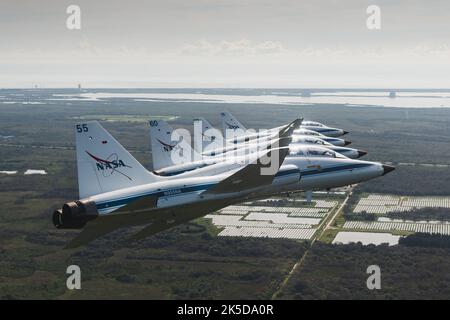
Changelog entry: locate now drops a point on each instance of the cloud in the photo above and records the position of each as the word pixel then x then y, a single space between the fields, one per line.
pixel 88 47
pixel 242 47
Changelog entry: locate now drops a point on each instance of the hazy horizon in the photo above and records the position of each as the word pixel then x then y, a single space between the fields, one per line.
pixel 225 44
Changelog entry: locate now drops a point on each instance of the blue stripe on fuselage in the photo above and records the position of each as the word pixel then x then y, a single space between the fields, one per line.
pixel 318 129
pixel 328 139
pixel 333 169
pixel 185 190
pixel 158 193
pixel 167 192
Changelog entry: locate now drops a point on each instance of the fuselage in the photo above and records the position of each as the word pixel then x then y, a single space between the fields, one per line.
pixel 333 140
pixel 175 192
pixel 232 159
pixel 263 141
pixel 323 129
pixel 237 137
pixel 296 173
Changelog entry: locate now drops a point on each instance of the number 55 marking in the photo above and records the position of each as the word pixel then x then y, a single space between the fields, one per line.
pixel 82 128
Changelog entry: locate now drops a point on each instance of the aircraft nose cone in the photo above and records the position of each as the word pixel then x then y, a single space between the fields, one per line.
pixel 362 153
pixel 387 169
pixel 346 142
pixel 344 133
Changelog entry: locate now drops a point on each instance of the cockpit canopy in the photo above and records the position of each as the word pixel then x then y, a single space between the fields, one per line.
pixel 315 152
pixel 312 124
pixel 318 141
pixel 308 132
pixel 310 140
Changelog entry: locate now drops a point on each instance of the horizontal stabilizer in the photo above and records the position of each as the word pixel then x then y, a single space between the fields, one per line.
pixel 179 215
pixel 101 226
pixel 160 219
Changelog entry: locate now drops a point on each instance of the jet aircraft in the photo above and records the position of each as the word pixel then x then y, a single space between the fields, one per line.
pixel 232 125
pixel 211 142
pixel 116 191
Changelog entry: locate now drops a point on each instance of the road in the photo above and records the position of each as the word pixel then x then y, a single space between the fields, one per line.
pixel 324 225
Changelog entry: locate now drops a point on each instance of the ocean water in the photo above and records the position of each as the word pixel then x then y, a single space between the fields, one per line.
pixel 402 99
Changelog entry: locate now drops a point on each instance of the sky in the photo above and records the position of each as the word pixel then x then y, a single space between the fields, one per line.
pixel 225 43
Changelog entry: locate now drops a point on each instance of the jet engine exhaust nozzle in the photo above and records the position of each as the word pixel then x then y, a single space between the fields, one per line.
pixel 74 215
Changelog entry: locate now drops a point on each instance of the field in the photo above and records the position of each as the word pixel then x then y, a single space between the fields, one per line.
pixel 191 261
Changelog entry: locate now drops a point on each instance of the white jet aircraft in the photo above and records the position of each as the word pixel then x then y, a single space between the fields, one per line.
pixel 334 141
pixel 116 191
pixel 323 129
pixel 211 142
pixel 172 153
pixel 235 132
pixel 173 156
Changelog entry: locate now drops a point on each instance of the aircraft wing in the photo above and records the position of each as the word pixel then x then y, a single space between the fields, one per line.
pixel 96 228
pixel 105 224
pixel 288 130
pixel 181 214
pixel 159 219
pixel 251 176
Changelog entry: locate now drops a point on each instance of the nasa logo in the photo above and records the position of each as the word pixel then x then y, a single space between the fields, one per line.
pixel 208 138
pixel 232 126
pixel 110 165
pixel 167 147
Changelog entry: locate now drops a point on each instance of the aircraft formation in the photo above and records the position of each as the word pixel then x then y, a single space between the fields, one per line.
pixel 116 191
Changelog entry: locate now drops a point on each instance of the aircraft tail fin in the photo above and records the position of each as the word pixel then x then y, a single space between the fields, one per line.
pixel 103 163
pixel 231 125
pixel 207 137
pixel 262 171
pixel 170 147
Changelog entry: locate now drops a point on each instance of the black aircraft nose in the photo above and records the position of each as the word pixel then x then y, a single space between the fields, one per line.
pixel 387 169
pixel 346 142
pixel 345 132
pixel 361 153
